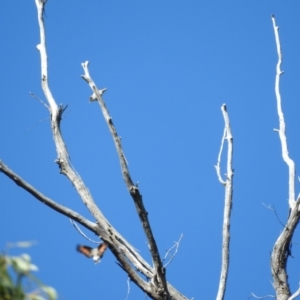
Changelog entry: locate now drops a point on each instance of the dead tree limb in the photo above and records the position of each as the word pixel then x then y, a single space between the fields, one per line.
pixel 159 271
pixel 155 284
pixel 281 249
pixel 228 183
pixel 47 201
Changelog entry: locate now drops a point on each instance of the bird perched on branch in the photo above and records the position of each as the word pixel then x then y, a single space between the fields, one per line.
pixel 95 253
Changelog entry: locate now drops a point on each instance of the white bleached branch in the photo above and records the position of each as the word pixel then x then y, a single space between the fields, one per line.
pixel 296 294
pixel 281 131
pixel 281 250
pixel 228 183
pixel 159 278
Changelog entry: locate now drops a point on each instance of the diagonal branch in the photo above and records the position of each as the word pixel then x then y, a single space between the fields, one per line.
pixel 81 220
pixel 176 246
pixel 228 183
pixel 159 273
pixel 281 253
pixel 295 295
pixel 47 201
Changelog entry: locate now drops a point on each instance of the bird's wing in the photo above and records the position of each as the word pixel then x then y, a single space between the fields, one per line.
pixel 85 250
pixel 101 249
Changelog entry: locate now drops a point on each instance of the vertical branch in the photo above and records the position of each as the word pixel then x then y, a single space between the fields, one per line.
pixel 40 4
pixel 217 166
pixel 281 250
pixel 284 148
pixel 228 183
pixel 56 113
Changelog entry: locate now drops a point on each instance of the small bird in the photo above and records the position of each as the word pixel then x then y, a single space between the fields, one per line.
pixel 95 253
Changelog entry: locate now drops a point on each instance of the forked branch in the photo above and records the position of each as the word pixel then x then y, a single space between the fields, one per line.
pixel 155 284
pixel 228 183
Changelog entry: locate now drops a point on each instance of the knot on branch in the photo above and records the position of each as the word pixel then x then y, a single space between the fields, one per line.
pixel 60 163
pixel 94 95
pixel 61 111
pixel 134 190
pixel 158 286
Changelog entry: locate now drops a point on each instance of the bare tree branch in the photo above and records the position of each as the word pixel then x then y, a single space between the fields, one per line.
pixel 128 288
pixel 272 208
pixel 41 101
pixel 82 233
pixel 47 201
pixel 261 297
pixel 217 166
pixel 284 148
pixel 228 202
pixel 159 271
pixel 296 294
pixel 126 255
pixel 176 246
pixel 115 238
pixel 155 284
pixel 89 225
pixel 281 249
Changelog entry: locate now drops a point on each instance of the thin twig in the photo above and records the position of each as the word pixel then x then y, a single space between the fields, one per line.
pixel 217 166
pixel 272 208
pixel 176 244
pixel 41 101
pixel 296 294
pixel 38 122
pixel 261 297
pixel 128 288
pixel 81 232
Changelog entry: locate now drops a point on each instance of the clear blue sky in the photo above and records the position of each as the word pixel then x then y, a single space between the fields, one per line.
pixel 168 66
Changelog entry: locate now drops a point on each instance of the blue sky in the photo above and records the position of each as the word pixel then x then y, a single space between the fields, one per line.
pixel 168 67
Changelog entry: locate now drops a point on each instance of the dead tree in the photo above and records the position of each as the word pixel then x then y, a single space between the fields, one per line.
pixel 151 279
